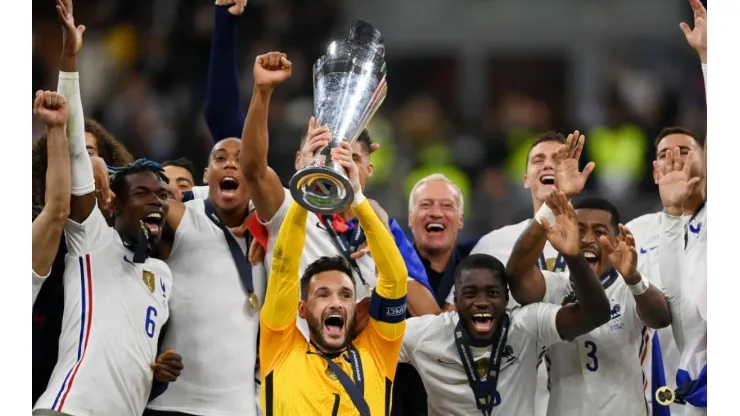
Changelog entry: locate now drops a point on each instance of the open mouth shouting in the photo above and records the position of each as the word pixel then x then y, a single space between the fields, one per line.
pixel 482 322
pixel 547 179
pixel 334 325
pixel 228 186
pixel 592 256
pixel 153 223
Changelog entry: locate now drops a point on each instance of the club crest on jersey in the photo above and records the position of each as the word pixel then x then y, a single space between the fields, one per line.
pixel 616 320
pixel 148 279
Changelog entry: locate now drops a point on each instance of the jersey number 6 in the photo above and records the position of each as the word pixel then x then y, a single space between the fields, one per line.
pixel 594 364
pixel 149 325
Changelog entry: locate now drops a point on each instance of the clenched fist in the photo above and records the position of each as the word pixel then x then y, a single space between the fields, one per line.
pixel 51 107
pixel 271 70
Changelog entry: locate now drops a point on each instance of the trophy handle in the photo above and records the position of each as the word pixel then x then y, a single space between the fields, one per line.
pixel 322 188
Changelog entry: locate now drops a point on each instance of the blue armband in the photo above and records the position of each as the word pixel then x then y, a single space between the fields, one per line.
pixel 391 311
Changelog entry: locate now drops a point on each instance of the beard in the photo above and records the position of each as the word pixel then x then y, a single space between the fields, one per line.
pixel 314 330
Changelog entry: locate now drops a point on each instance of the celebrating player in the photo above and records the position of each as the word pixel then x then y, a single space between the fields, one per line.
pixel 584 371
pixel 498 351
pixel 113 291
pixel 331 374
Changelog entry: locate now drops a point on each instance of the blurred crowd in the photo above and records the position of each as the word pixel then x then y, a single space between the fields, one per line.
pixel 145 66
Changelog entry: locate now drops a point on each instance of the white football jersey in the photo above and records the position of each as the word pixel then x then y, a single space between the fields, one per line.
pixel 646 230
pixel 600 373
pixel 36 282
pixel 429 345
pixel 319 243
pixel 499 243
pixel 213 327
pixel 114 310
pixel 687 294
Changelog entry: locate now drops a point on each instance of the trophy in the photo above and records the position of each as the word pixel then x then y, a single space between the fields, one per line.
pixel 349 86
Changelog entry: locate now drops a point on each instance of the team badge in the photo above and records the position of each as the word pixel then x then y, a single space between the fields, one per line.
pixel 551 264
pixel 330 374
pixel 148 278
pixel 482 367
pixel 665 396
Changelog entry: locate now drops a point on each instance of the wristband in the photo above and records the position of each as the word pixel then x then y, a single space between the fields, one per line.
pixel 545 212
pixel 359 198
pixel 640 287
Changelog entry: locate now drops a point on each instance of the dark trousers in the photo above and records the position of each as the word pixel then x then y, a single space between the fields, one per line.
pixel 409 395
pixel 149 412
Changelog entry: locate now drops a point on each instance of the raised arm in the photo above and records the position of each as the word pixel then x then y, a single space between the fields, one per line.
pixel 652 306
pixel 265 187
pixel 592 308
pixel 388 301
pixel 223 109
pixel 697 39
pixel 281 300
pixel 525 278
pixel 82 183
pixel 47 228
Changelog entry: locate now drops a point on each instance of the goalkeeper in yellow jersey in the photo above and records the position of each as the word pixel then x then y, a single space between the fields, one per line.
pixel 334 373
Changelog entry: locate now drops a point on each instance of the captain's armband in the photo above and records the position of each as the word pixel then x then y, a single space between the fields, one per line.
pixel 391 311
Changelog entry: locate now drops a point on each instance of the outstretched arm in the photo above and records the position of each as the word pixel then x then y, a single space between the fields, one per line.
pixel 47 227
pixel 82 183
pixel 223 109
pixel 265 187
pixel 281 300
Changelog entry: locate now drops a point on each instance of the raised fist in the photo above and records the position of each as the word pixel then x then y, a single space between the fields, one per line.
pixel 237 6
pixel 271 70
pixel 51 107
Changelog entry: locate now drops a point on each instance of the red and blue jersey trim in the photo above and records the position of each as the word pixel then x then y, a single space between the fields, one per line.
pixel 86 313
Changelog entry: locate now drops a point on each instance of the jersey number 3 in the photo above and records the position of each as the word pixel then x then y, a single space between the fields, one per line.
pixel 149 324
pixel 594 364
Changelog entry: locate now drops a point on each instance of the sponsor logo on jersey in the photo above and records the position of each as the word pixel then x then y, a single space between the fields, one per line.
pixel 644 250
pixel 148 279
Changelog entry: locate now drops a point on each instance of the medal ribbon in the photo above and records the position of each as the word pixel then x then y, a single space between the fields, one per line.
pixel 484 392
pixel 240 260
pixel 347 246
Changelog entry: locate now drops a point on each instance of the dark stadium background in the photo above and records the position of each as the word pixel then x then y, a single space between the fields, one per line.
pixel 470 81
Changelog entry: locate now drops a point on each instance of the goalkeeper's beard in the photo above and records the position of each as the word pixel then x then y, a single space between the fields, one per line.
pixel 314 329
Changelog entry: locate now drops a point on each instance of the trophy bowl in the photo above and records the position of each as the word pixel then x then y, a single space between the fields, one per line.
pixel 349 87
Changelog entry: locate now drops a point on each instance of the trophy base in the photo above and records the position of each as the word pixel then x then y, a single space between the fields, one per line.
pixel 321 190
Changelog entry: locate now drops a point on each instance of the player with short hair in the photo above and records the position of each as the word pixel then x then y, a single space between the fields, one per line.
pixel 336 371
pixel 583 372
pixel 481 358
pixel 180 172
pixel 114 291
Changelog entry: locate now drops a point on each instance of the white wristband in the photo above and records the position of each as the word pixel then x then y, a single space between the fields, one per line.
pixel 545 212
pixel 359 197
pixel 640 287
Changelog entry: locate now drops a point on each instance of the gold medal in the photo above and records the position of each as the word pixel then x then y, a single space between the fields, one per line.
pixel 550 264
pixel 665 396
pixel 254 301
pixel 482 367
pixel 331 374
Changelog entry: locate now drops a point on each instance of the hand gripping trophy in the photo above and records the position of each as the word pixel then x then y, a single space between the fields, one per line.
pixel 349 87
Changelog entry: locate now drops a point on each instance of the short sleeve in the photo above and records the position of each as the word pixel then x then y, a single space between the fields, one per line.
pixel 200 192
pixel 89 236
pixel 557 286
pixel 38 281
pixel 273 225
pixel 538 319
pixel 416 329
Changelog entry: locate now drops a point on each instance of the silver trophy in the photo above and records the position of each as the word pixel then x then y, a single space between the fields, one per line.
pixel 349 86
